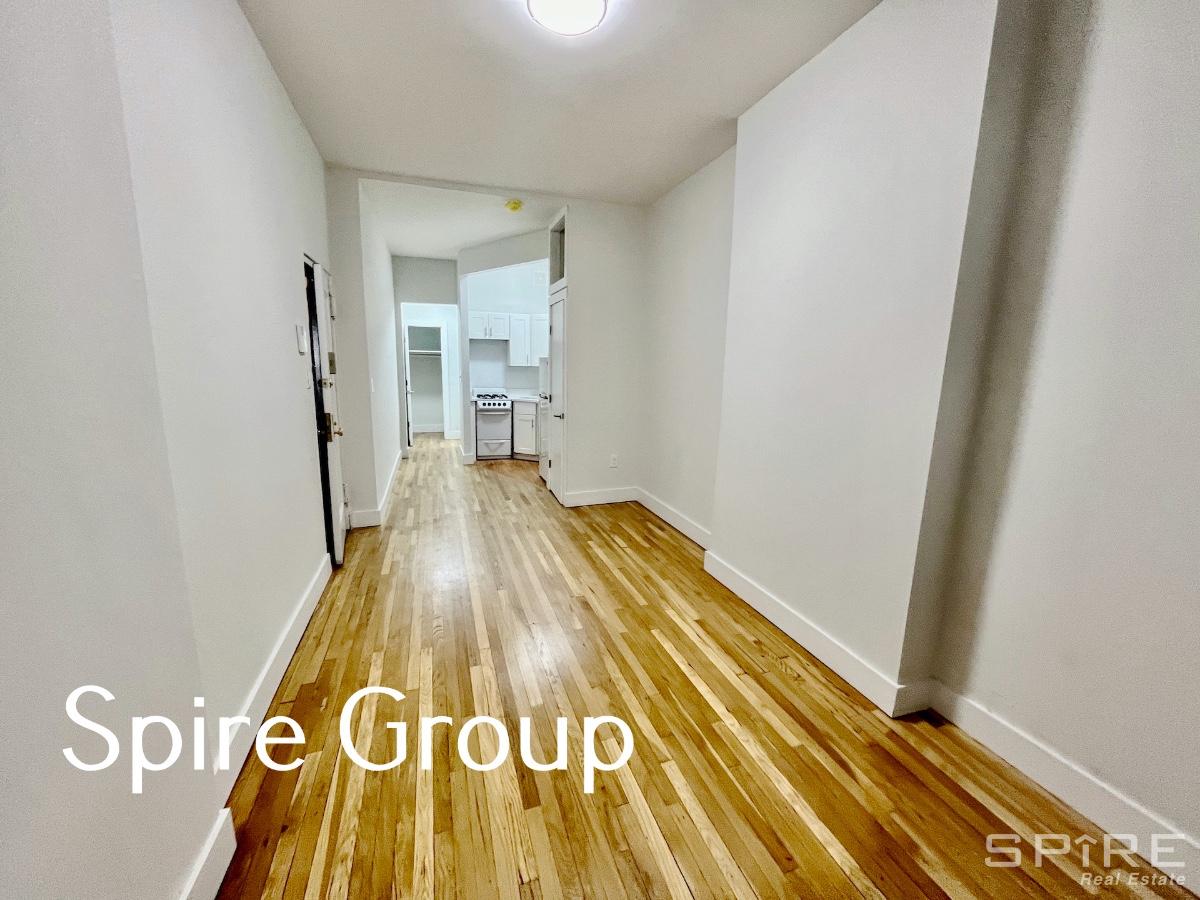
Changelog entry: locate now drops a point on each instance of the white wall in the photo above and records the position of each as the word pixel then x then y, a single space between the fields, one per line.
pixel 690 230
pixel 505 252
pixel 379 295
pixel 842 287
pixel 354 376
pixel 520 288
pixel 605 349
pixel 224 227
pixel 420 280
pixel 369 398
pixel 93 588
pixel 426 372
pixel 1075 618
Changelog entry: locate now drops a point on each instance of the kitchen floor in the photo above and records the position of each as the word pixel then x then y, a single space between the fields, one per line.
pixel 757 771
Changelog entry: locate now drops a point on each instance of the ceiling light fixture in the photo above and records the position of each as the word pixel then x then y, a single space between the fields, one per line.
pixel 568 17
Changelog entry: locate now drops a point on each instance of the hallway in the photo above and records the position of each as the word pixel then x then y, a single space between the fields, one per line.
pixel 756 771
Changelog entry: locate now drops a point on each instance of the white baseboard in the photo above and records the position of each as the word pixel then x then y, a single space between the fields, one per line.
pixel 208 871
pixel 391 486
pixel 914 696
pixel 365 518
pixel 893 698
pixel 1094 798
pixel 597 498
pixel 428 429
pixel 673 517
pixel 468 456
pixel 370 518
pixel 258 701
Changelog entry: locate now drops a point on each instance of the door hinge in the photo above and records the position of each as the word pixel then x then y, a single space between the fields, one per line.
pixel 332 363
pixel 328 428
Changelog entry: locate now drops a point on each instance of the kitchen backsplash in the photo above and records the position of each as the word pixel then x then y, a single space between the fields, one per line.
pixel 490 369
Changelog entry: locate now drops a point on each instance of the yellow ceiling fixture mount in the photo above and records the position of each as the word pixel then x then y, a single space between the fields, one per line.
pixel 514 205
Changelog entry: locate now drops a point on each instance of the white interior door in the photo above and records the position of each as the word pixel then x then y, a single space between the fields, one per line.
pixel 556 432
pixel 326 314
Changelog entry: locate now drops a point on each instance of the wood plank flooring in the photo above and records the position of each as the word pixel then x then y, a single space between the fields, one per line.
pixel 757 772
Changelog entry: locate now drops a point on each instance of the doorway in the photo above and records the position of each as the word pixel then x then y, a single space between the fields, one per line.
pixel 323 360
pixel 426 387
pixel 429 338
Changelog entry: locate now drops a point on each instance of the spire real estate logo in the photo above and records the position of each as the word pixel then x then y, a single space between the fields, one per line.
pixel 1010 851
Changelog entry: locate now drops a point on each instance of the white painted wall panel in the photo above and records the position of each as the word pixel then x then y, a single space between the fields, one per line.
pixel 230 196
pixel 1078 621
pixel 93 588
pixel 842 287
pixel 688 289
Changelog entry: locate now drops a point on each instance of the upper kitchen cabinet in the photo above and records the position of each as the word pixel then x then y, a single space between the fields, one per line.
pixel 519 340
pixel 510 305
pixel 529 339
pixel 539 337
pixel 477 326
pixel 488 326
pixel 497 325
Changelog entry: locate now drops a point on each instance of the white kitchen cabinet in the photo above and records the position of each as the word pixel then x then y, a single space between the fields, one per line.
pixel 539 340
pixel 487 326
pixel 529 335
pixel 477 326
pixel 518 340
pixel 498 326
pixel 525 428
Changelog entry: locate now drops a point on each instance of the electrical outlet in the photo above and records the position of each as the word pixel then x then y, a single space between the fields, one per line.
pixel 612 461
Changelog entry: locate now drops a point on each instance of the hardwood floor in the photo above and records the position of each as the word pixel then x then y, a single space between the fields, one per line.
pixel 757 772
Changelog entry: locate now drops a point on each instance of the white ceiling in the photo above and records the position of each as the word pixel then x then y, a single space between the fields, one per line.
pixel 473 91
pixel 437 223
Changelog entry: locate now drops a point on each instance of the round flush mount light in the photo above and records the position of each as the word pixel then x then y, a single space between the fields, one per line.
pixel 568 17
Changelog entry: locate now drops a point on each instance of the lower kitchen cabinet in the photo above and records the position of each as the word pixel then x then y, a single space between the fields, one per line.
pixel 525 428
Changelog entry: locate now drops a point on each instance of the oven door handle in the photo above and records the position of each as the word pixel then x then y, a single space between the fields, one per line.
pixel 493 412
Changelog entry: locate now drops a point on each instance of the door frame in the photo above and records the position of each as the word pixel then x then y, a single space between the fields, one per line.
pixel 557 484
pixel 444 366
pixel 448 318
pixel 323 435
pixel 406 368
